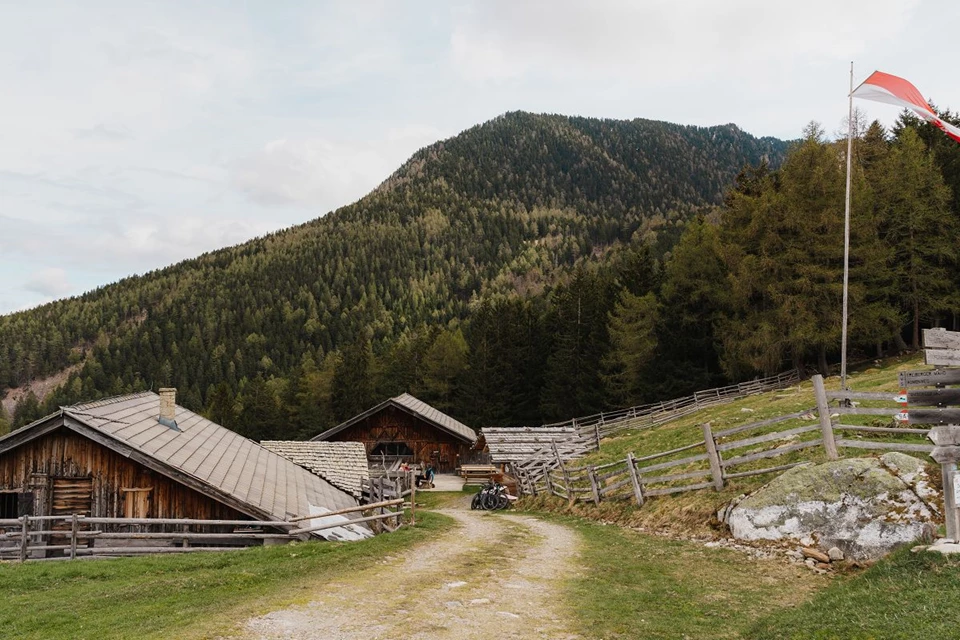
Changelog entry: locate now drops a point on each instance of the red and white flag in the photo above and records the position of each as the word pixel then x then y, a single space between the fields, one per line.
pixel 883 87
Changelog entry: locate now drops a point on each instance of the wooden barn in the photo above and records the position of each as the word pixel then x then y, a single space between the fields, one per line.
pixel 404 429
pixel 142 456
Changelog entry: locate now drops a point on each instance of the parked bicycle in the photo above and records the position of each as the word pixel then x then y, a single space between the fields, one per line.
pixel 493 496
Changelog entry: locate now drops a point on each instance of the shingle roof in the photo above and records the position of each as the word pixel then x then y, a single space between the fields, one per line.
pixel 343 464
pixel 408 403
pixel 513 444
pixel 221 463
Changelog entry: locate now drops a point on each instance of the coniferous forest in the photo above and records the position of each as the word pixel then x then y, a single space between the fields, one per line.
pixel 533 268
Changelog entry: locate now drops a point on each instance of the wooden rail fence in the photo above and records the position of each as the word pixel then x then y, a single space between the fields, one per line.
pixel 723 455
pixel 69 537
pixel 592 429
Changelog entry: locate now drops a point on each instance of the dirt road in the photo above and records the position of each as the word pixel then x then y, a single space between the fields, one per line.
pixel 495 576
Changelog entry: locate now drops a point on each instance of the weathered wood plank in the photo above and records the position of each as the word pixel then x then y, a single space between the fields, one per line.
pixel 933 416
pixel 866 411
pixel 654 456
pixel 823 413
pixel 614 487
pixel 760 423
pixel 757 472
pixel 933 397
pixel 669 490
pixel 672 463
pixel 885 446
pixel 713 456
pixel 937 338
pixel 771 453
pixel 690 475
pixel 942 357
pixel 862 395
pixel 900 430
pixel 779 435
pixel 929 378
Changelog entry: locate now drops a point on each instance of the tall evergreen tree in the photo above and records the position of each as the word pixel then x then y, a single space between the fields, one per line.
pixel 920 228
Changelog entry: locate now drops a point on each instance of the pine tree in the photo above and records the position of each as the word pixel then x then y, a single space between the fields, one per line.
pixel 919 226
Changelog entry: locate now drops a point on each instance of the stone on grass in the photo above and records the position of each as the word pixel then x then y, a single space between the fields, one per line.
pixel 865 507
pixel 835 554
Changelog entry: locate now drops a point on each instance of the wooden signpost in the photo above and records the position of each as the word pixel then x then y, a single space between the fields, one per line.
pixel 941 349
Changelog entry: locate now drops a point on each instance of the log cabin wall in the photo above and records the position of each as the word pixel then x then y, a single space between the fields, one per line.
pixel 393 425
pixel 40 464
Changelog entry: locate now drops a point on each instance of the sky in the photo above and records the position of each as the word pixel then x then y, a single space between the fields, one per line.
pixel 137 134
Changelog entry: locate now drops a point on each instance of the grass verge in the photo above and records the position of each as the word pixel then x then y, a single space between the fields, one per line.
pixel 638 586
pixel 905 596
pixel 190 596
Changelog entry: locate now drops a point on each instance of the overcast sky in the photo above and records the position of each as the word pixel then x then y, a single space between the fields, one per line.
pixel 133 134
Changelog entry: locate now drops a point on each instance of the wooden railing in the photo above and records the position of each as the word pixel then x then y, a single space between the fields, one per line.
pixel 721 456
pixel 592 429
pixel 68 537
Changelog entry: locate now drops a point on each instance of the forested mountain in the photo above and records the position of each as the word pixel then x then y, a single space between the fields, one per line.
pixel 416 287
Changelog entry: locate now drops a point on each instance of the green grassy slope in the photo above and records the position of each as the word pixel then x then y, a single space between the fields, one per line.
pixel 695 511
pixel 190 596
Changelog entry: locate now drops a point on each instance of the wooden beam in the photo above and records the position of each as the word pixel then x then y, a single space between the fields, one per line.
pixel 826 425
pixel 716 465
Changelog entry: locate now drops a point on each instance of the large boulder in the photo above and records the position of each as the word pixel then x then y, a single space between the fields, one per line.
pixel 864 506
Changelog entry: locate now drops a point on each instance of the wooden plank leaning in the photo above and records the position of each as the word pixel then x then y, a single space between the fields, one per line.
pixel 594 486
pixel 716 466
pixel 826 424
pixel 24 538
pixel 635 479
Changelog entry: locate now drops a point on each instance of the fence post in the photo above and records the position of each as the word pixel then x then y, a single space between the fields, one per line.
pixel 596 428
pixel 413 499
pixel 24 538
pixel 635 478
pixel 592 474
pixel 826 425
pixel 716 468
pixel 73 537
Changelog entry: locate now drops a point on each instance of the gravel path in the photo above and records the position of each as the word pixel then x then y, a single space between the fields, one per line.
pixel 495 576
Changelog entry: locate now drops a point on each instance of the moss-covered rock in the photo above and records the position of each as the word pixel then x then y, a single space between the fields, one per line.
pixel 864 506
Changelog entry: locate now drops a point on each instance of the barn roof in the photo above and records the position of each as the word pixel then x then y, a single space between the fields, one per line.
pixel 342 464
pixel 200 454
pixel 413 406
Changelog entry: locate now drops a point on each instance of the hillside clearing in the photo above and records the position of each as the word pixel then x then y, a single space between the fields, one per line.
pixel 694 512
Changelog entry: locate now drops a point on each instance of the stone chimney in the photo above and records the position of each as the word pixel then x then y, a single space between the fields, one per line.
pixel 168 407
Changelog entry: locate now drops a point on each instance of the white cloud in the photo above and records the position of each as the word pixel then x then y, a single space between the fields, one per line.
pixel 663 41
pixel 51 282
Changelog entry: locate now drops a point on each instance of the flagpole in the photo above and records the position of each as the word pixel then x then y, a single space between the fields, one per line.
pixel 846 241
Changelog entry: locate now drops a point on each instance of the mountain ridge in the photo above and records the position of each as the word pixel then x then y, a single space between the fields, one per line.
pixel 520 198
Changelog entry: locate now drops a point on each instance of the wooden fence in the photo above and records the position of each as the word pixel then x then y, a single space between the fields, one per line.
pixel 724 455
pixel 592 429
pixel 68 537
pixel 607 423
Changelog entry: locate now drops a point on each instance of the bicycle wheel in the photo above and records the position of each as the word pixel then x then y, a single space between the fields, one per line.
pixel 490 501
pixel 502 501
pixel 476 502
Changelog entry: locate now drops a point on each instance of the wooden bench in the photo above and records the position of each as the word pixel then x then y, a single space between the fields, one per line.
pixel 479 473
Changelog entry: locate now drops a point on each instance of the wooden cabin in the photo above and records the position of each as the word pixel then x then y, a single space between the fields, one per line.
pixel 142 456
pixel 404 429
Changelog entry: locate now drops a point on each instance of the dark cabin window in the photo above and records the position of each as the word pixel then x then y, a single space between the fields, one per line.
pixel 392 449
pixel 14 505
